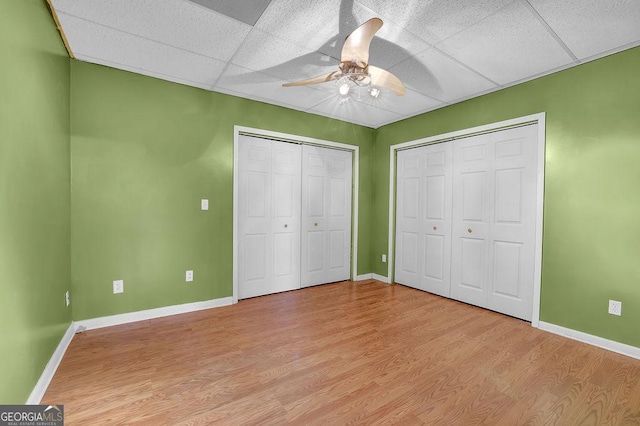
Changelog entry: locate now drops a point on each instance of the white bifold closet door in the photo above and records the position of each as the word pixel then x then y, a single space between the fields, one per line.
pixel 294 216
pixel 269 184
pixel 423 218
pixel 465 219
pixel 494 211
pixel 326 215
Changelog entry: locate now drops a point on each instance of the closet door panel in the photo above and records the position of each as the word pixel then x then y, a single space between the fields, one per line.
pixel 409 249
pixel 268 217
pixel 472 212
pixel 326 215
pixel 513 228
pixel 437 187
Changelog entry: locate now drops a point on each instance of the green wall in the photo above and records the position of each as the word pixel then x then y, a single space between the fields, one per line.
pixel 591 242
pixel 34 194
pixel 143 153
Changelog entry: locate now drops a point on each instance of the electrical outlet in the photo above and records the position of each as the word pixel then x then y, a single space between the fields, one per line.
pixel 188 276
pixel 118 286
pixel 67 298
pixel 615 307
pixel 384 258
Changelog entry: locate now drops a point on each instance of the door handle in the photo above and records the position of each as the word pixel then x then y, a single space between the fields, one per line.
pixel 286 226
pixel 315 224
pixel 435 228
pixel 469 230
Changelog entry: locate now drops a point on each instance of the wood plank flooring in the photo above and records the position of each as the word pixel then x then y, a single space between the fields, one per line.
pixel 346 353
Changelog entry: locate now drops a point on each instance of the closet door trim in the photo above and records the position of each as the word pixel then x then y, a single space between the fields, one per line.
pixel 285 137
pixel 538 119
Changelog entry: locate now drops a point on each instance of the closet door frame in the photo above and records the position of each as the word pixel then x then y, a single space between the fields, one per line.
pixel 538 119
pixel 302 140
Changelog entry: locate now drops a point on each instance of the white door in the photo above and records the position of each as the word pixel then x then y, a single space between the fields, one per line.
pixel 326 215
pixel 423 218
pixel 494 209
pixel 408 216
pixel 268 216
pixel 437 186
pixel 472 213
pixel 512 240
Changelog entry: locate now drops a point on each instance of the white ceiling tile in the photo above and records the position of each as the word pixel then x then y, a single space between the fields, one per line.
pixel 307 24
pixel 435 74
pixel 141 71
pixel 411 103
pixel 266 88
pixel 435 21
pixel 392 45
pixel 116 47
pixel 508 46
pixel 247 11
pixel 590 28
pixel 177 23
pixel 356 112
pixel 279 58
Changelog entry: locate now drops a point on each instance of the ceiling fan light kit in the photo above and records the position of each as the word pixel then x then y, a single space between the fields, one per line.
pixel 355 72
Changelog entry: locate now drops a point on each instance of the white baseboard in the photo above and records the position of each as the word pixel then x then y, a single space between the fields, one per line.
pixel 364 277
pixel 373 277
pixel 381 278
pixel 91 324
pixel 611 345
pixel 51 367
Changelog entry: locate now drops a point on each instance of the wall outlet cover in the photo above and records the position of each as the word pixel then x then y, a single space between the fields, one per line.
pixel 615 307
pixel 67 298
pixel 118 286
pixel 384 258
pixel 189 276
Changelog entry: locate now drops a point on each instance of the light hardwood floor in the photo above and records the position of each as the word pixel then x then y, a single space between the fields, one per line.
pixel 346 353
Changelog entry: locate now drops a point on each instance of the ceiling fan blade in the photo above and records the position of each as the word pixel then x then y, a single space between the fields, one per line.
pixel 382 78
pixel 315 80
pixel 356 45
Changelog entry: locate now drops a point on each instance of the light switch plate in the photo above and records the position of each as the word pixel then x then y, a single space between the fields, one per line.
pixel 204 204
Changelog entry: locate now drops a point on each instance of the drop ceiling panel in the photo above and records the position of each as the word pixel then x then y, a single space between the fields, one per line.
pixel 355 112
pixel 507 46
pixel 265 88
pixel 179 23
pixel 392 45
pixel 589 31
pixel 412 103
pixel 282 59
pixel 438 76
pixel 107 45
pixel 247 11
pixel 307 24
pixel 133 69
pixel 435 21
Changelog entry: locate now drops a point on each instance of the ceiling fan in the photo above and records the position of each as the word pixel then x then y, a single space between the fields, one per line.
pixel 354 68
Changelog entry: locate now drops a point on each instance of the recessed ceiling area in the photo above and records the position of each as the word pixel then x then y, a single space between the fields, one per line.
pixel 444 52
